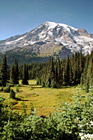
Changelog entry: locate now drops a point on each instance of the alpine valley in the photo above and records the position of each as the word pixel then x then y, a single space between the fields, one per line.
pixel 48 39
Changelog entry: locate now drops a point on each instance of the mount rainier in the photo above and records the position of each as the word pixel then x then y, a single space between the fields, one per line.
pixel 49 39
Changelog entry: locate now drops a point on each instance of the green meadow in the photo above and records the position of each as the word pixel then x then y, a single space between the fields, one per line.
pixel 44 100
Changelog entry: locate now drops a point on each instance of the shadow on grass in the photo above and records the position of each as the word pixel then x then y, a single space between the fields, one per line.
pixel 19 99
pixel 36 87
pixel 61 87
pixel 67 86
pixel 32 84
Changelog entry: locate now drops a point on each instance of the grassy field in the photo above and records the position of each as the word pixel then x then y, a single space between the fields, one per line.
pixel 45 100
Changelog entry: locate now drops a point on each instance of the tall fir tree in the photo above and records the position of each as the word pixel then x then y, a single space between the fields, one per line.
pixel 87 86
pixel 25 75
pixel 52 70
pixel 12 75
pixel 16 72
pixel 4 69
pixel 50 74
pixel 56 74
pixel 81 62
pixel 90 69
pixel 85 70
pixel 59 73
pixel 67 71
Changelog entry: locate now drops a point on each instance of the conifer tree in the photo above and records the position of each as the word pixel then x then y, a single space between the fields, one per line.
pixel 25 75
pixel 87 86
pixel 52 71
pixel 4 71
pixel 90 69
pixel 78 73
pixel 76 69
pixel 12 75
pixel 50 75
pixel 81 59
pixel 16 72
pixel 71 76
pixel 67 71
pixel 85 70
pixel 73 63
pixel 56 74
pixel 59 73
pixel 63 75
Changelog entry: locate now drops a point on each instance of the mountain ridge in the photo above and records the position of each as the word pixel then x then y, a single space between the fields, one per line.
pixel 49 39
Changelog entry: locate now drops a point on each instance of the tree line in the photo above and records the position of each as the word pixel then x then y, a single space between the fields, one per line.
pixel 77 69
pixel 11 75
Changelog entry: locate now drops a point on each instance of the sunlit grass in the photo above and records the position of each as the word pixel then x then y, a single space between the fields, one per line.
pixel 45 100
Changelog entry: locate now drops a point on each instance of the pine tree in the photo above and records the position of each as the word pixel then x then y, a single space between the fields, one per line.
pixel 87 86
pixel 50 74
pixel 12 75
pixel 81 59
pixel 67 72
pixel 16 72
pixel 25 75
pixel 4 71
pixel 78 73
pixel 52 71
pixel 85 70
pixel 59 73
pixel 56 74
pixel 76 69
pixel 12 94
pixel 71 76
pixel 90 69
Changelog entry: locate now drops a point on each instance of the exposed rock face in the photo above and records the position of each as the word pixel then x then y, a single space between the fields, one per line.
pixel 50 39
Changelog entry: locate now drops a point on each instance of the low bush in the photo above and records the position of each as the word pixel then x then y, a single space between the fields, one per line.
pixel 7 89
pixel 1 89
pixel 17 89
pixel 53 84
pixel 12 94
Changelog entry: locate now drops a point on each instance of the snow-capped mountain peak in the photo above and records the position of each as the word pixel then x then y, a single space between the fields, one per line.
pixel 51 37
pixel 52 25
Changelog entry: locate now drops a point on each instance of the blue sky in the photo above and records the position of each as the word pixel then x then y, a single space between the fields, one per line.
pixel 20 16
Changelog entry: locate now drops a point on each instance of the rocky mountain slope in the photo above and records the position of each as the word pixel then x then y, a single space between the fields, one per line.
pixel 49 39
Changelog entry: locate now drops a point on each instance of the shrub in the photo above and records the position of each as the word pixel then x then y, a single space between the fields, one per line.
pixel 31 88
pixel 13 102
pixel 24 82
pixel 70 122
pixel 87 87
pixel 12 94
pixel 38 81
pixel 11 85
pixel 43 84
pixel 0 83
pixel 53 84
pixel 17 89
pixel 1 89
pixel 47 84
pixel 7 89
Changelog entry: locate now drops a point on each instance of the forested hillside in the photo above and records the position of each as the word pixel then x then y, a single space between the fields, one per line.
pixel 54 73
pixel 75 70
